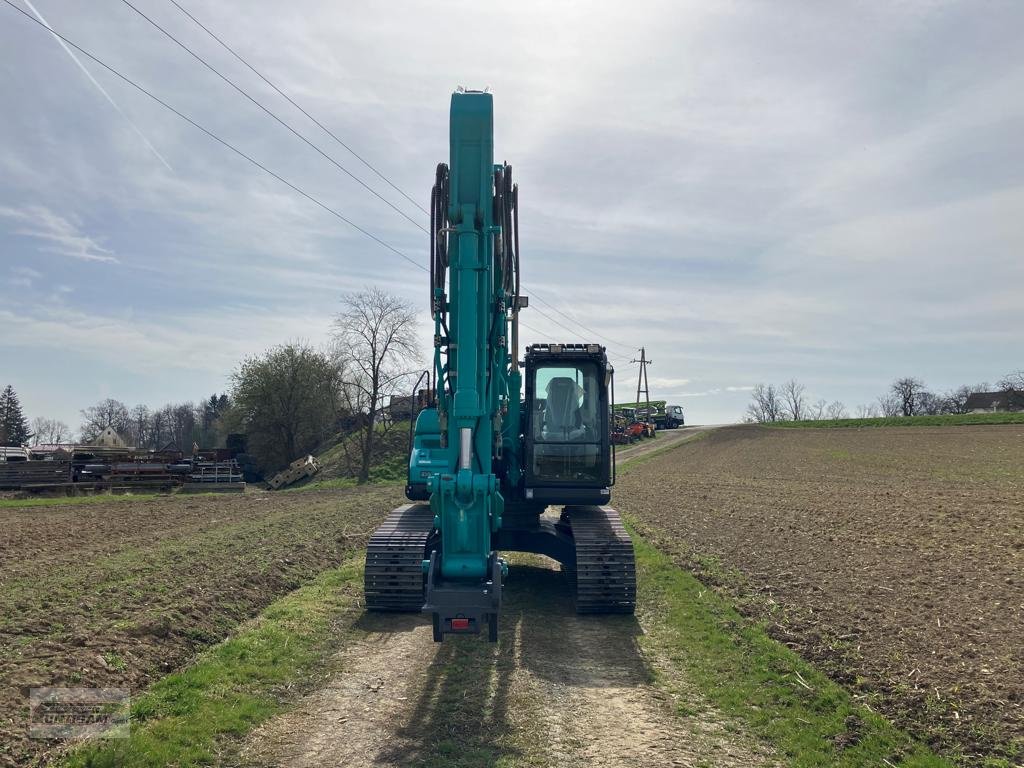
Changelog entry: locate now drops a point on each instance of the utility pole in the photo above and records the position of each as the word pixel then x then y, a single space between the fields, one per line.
pixel 641 381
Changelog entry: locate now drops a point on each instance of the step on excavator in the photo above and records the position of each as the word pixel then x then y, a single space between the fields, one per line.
pixel 512 455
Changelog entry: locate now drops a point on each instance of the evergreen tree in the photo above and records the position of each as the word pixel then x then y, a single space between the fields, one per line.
pixel 14 429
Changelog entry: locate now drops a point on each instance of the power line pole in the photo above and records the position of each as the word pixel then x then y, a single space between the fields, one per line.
pixel 641 381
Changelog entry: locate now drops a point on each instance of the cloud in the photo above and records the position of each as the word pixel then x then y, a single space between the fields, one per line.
pixel 152 346
pixel 99 87
pixel 23 277
pixel 27 272
pixel 751 193
pixel 662 382
pixel 59 235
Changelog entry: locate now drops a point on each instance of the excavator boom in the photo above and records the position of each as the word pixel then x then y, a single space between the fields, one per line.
pixel 485 463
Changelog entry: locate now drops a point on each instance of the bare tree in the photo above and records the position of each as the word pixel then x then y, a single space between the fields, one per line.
pixel 375 339
pixel 955 401
pixel 765 405
pixel 908 391
pixel 106 413
pixel 49 431
pixel 140 422
pixel 1012 381
pixel 889 405
pixel 817 410
pixel 157 429
pixel 794 402
pixel 929 404
pixel 836 410
pixel 183 425
pixel 869 411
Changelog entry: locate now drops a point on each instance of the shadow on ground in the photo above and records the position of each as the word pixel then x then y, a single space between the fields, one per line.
pixel 475 701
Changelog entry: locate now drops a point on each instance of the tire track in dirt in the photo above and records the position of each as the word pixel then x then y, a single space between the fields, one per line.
pixel 666 439
pixel 558 689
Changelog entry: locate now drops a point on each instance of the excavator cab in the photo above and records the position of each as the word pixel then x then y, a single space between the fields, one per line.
pixel 567 457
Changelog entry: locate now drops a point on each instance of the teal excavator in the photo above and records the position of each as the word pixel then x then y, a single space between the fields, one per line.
pixel 511 455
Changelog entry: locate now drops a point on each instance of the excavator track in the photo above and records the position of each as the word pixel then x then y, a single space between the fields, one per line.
pixel 605 573
pixel 393 580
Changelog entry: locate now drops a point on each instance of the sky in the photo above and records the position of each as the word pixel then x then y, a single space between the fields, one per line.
pixel 752 191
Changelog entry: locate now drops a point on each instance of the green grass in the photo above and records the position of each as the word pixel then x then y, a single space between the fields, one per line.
pixel 102 498
pixel 628 462
pixel 750 677
pixel 948 420
pixel 230 689
pixel 393 470
pixel 105 498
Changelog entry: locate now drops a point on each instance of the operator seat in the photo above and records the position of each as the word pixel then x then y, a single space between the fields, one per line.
pixel 561 412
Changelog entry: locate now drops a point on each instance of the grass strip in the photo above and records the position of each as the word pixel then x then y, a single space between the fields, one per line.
pixel 631 461
pixel 102 498
pixel 811 721
pixel 232 687
pixel 947 420
pixel 62 501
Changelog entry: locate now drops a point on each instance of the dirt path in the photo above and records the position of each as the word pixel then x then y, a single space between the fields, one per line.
pixel 663 439
pixel 558 689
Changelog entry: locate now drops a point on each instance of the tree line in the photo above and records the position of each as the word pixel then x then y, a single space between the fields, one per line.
pixel 906 396
pixel 175 424
pixel 790 402
pixel 294 398
pixel 291 400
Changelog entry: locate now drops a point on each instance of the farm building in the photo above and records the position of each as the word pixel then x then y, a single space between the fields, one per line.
pixel 109 438
pixel 405 406
pixel 1009 400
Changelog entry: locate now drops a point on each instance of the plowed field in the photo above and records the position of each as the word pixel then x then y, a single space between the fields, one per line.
pixel 893 558
pixel 119 593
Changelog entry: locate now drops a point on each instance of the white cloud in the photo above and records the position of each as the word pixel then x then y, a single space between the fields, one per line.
pixel 663 382
pixel 210 342
pixel 752 193
pixel 59 234
pixel 23 277
pixel 27 272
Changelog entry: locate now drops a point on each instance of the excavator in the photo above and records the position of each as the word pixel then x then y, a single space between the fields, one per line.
pixel 513 455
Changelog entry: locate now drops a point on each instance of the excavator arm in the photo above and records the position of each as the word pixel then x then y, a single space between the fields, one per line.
pixel 487 463
pixel 471 314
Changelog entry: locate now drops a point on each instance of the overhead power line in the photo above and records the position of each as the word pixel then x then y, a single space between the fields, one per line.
pixel 533 293
pixel 330 133
pixel 273 115
pixel 241 59
pixel 215 137
pixel 289 99
pixel 291 129
pixel 102 90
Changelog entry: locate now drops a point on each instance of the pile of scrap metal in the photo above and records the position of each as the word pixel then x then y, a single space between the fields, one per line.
pixel 27 474
pixel 82 467
pixel 299 469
